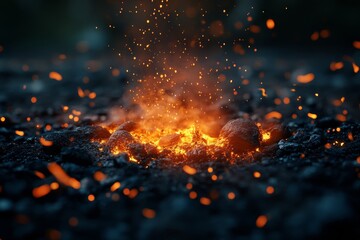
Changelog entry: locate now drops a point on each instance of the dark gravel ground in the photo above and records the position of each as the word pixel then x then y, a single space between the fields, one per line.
pixel 316 187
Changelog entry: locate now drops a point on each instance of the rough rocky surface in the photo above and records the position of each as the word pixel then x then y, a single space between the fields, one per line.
pixel 306 183
pixel 241 135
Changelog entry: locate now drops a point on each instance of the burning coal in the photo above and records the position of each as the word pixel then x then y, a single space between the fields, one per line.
pixel 237 138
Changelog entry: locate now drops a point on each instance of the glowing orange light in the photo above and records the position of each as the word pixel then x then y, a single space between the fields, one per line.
pixel 334 66
pixel 92 95
pixel 41 191
pixel 356 68
pixel 45 143
pixel 270 24
pixel 312 115
pixel 205 201
pixel 231 195
pixel 356 44
pixel 350 136
pixel 340 117
pixel 148 213
pixel 189 170
pixel 257 174
pixel 91 197
pixel 133 193
pixel 115 186
pixel 48 127
pixel 39 174
pixel 62 177
pixel 263 92
pixel 261 221
pixel 255 29
pixel 19 133
pixel 266 136
pixel 315 36
pixel 81 93
pixel 192 195
pixel 99 176
pixel 273 114
pixel 33 100
pixel 327 146
pixel 55 76
pixel 305 78
pixel 270 190
pixel 115 72
pixel 54 186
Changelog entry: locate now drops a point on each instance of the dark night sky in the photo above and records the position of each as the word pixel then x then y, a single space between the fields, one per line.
pixel 58 25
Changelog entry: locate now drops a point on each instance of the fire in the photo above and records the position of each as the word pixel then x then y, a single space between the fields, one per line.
pixel 266 136
pixel 172 119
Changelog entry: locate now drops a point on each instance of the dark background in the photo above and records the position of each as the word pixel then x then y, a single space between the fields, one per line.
pixel 63 25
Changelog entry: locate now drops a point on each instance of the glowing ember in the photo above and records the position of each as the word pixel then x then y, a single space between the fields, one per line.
pixel 270 24
pixel 306 78
pixel 55 76
pixel 41 191
pixel 205 201
pixel 62 177
pixel 261 221
pixel 356 68
pixel 19 133
pixel 266 136
pixel 148 213
pixel 115 186
pixel 45 143
pixel 312 115
pixel 231 195
pixel 189 170
pixel 273 114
